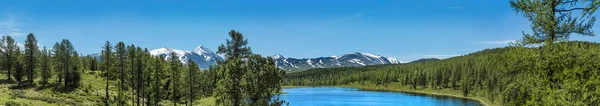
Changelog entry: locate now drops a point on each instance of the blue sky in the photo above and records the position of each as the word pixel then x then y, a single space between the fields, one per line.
pixel 404 29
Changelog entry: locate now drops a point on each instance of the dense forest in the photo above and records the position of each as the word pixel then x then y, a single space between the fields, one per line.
pixel 565 73
pixel 131 76
pixel 542 69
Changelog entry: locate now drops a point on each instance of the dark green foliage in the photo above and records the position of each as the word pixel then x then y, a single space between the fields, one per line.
pixel 107 62
pixel 245 78
pixel 67 64
pixel 236 47
pixel 229 87
pixel 192 78
pixel 9 50
pixel 175 77
pixel 30 59
pixel 120 57
pixel 425 60
pixel 157 81
pixel 261 80
pixel 19 71
pixel 45 67
pixel 564 74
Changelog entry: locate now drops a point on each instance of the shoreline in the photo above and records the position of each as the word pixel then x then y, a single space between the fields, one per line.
pixel 420 92
pixel 386 89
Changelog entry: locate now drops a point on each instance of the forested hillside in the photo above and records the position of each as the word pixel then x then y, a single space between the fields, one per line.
pixel 564 73
pixel 126 74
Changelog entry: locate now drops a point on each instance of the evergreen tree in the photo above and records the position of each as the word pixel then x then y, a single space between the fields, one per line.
pixel 19 71
pixel 157 78
pixel 236 47
pixel 106 66
pixel 131 69
pixel 67 64
pixel 139 74
pixel 45 65
pixel 262 81
pixel 57 51
pixel 31 57
pixel 191 79
pixel 229 89
pixel 9 50
pixel 175 77
pixel 121 56
pixel 244 78
pixel 555 20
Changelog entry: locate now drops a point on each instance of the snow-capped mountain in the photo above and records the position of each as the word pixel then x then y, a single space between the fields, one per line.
pixel 347 60
pixel 202 56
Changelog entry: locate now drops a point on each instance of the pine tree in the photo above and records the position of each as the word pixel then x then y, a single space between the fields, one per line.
pixel 139 74
pixel 121 56
pixel 65 63
pixel 175 77
pixel 45 65
pixel 68 62
pixel 106 66
pixel 131 69
pixel 555 20
pixel 19 72
pixel 229 89
pixel 74 74
pixel 31 56
pixel 58 61
pixel 236 47
pixel 157 78
pixel 262 81
pixel 9 50
pixel 192 84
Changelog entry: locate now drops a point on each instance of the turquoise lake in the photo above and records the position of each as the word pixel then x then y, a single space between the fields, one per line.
pixel 331 96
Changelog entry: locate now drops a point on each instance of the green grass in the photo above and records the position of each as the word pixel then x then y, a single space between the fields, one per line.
pixel 90 92
pixel 396 87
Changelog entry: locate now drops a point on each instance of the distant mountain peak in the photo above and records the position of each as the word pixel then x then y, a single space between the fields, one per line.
pixel 202 56
pixel 202 49
pixel 346 60
pixel 278 56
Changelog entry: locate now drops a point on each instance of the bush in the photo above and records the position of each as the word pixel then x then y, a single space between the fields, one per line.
pixel 16 94
pixel 12 103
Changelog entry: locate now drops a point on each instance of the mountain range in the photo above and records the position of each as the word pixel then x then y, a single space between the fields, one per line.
pixel 204 57
pixel 346 60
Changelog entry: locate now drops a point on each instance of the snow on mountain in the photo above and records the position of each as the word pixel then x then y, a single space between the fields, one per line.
pixel 208 55
pixel 202 56
pixel 346 60
pixel 394 60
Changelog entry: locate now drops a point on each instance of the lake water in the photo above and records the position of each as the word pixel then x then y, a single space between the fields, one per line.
pixel 329 96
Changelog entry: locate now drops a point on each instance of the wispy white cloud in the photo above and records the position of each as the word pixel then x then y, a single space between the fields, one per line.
pixel 10 25
pixel 441 56
pixel 354 16
pixel 497 42
pixel 456 7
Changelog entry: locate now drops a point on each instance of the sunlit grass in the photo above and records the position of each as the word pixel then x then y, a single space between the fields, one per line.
pixel 90 92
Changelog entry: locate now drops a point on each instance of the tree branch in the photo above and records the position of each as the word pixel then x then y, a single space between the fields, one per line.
pixel 568 10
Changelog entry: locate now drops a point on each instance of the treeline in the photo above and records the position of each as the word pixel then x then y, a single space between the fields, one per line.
pixel 152 79
pixel 143 79
pixel 24 66
pixel 149 79
pixel 565 73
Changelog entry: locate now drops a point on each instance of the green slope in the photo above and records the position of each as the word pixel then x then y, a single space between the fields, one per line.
pixel 565 73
